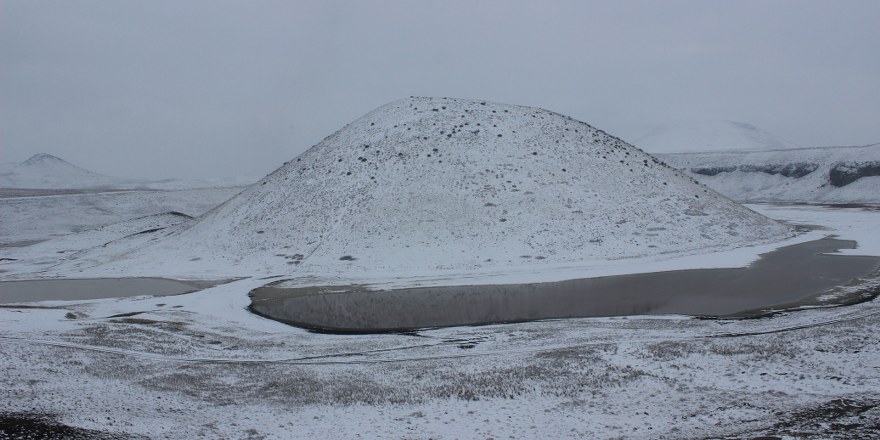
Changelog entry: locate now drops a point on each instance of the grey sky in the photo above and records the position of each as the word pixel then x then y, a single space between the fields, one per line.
pixel 158 89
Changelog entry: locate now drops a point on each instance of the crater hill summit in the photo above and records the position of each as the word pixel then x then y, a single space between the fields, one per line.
pixel 428 184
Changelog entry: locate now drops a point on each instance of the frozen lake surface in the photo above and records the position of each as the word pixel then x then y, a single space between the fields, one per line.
pixel 780 278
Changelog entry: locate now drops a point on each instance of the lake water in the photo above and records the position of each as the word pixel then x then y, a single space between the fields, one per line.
pixel 93 288
pixel 783 276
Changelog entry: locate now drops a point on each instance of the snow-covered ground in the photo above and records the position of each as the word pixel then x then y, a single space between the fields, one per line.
pixel 854 223
pixel 200 364
pixel 42 217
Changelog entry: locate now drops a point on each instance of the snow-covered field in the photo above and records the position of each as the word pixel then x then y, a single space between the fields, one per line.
pixel 461 192
pixel 46 197
pixel 46 216
pixel 200 364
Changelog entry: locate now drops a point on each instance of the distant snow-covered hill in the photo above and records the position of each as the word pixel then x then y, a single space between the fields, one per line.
pixel 44 171
pixel 428 184
pixel 812 175
pixel 711 136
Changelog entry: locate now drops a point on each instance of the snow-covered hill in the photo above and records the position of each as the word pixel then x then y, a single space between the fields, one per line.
pixel 812 175
pixel 426 184
pixel 7 167
pixel 711 136
pixel 44 171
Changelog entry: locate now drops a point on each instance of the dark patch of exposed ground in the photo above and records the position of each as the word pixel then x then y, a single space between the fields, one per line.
pixel 43 426
pixel 842 419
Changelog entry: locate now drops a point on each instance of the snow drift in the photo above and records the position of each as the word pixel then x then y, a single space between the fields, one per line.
pixel 428 184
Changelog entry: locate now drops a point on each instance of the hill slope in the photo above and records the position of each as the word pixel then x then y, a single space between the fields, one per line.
pixel 711 136
pixel 427 184
pixel 44 171
pixel 814 175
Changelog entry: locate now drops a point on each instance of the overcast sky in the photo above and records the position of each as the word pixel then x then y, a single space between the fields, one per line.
pixel 162 89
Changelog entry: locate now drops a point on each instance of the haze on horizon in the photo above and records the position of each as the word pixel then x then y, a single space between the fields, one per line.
pixel 197 89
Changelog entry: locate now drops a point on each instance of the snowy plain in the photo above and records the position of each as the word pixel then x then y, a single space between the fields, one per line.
pixel 63 214
pixel 201 365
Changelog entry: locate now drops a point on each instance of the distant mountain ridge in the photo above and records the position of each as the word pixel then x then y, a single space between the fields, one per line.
pixel 711 136
pixel 810 175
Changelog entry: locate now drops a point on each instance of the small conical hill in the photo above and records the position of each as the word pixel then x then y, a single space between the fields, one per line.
pixel 45 171
pixel 427 184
